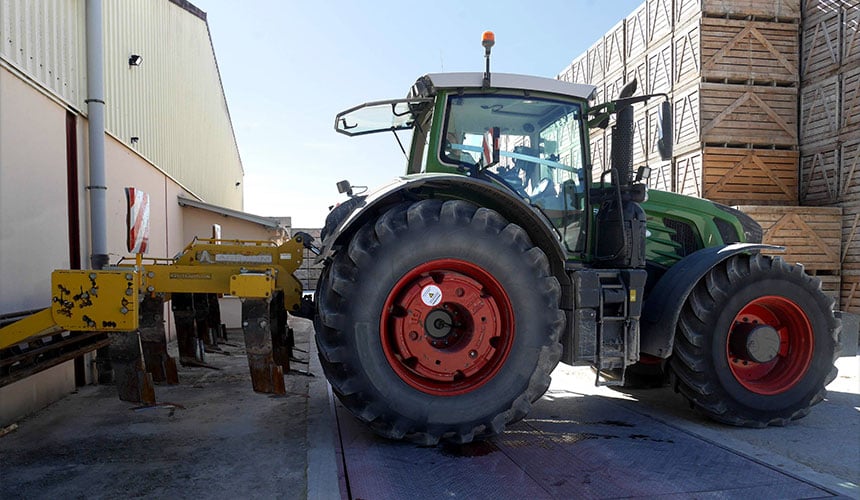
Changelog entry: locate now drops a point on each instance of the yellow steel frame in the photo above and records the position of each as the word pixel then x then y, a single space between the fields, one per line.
pixel 107 300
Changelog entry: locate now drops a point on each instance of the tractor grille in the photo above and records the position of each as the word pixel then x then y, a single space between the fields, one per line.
pixel 683 235
pixel 727 231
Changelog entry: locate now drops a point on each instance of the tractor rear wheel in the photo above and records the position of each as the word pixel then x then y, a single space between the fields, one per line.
pixel 755 343
pixel 439 321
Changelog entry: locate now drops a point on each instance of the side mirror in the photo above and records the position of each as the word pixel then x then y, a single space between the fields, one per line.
pixel 664 143
pixel 344 187
pixel 490 147
pixel 643 174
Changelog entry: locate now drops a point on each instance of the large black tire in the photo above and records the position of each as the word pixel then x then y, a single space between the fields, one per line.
pixel 419 367
pixel 756 342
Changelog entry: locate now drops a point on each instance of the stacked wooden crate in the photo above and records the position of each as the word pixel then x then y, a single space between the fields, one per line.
pixel 830 125
pixel 732 71
pixel 309 272
pixel 730 68
pixel 810 235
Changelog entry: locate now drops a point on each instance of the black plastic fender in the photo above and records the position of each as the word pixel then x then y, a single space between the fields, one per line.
pixel 448 186
pixel 663 305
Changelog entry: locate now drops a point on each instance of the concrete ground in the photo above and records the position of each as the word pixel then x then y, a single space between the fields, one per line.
pixel 822 448
pixel 210 436
pixel 213 437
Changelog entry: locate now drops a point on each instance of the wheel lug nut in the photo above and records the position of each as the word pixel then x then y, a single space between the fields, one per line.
pixel 413 335
pixel 473 354
pixel 459 292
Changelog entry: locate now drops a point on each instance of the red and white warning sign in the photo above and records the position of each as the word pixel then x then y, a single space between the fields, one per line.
pixel 138 220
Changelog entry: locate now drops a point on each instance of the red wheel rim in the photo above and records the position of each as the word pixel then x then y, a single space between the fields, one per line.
pixel 447 327
pixel 792 354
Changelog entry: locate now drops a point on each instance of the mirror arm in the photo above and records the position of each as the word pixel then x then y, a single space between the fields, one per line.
pixel 394 131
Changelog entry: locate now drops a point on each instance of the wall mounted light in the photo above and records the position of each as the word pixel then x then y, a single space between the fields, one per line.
pixel 237 184
pixel 135 140
pixel 135 60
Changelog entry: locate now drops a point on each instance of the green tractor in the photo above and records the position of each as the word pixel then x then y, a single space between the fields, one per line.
pixel 449 295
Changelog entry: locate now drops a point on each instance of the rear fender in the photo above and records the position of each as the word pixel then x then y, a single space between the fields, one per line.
pixel 664 302
pixel 446 187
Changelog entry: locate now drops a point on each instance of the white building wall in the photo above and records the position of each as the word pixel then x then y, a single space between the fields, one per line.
pixel 34 234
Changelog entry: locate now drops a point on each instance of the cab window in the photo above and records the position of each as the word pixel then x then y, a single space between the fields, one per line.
pixel 542 156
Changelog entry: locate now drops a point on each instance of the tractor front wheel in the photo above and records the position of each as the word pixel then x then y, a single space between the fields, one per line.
pixel 756 342
pixel 439 321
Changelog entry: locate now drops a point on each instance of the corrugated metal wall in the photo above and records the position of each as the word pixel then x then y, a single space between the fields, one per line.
pixel 172 103
pixel 45 40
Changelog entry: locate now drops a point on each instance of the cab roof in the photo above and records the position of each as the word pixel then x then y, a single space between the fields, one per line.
pixel 509 81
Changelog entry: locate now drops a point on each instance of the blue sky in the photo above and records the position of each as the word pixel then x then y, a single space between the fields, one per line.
pixel 288 67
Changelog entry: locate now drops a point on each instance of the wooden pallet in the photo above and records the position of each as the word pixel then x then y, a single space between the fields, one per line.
pixel 613 49
pixel 579 68
pixel 687 12
pixel 577 71
pixel 850 257
pixel 599 152
pixel 850 35
pixel 814 9
pixel 849 172
pixel 641 134
pixel 782 10
pixel 820 107
pixel 819 173
pixel 749 51
pixel 748 114
pixel 613 84
pixel 638 69
pixel 812 235
pixel 309 273
pixel 687 48
pixel 850 101
pixel 660 16
pixel 659 67
pixel 832 287
pixel 850 300
pixel 744 176
pixel 654 114
pixel 821 47
pixel 661 175
pixel 688 173
pixel 636 34
pixel 686 117
pixel 596 70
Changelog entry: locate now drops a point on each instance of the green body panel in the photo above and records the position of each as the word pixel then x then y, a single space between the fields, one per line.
pixel 695 213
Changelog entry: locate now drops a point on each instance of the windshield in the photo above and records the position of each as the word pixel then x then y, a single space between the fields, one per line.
pixel 541 156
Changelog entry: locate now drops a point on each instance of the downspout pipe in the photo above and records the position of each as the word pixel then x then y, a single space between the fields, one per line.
pixel 96 125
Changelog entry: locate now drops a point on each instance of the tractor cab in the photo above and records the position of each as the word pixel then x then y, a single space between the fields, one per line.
pixel 525 134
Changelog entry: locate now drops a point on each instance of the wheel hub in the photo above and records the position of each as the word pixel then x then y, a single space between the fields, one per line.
pixel 760 343
pixel 447 327
pixel 770 345
pixel 438 324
